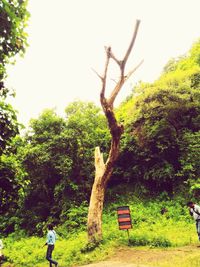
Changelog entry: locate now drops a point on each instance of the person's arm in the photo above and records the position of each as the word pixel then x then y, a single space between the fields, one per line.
pixel 47 240
pixel 191 213
pixel 56 236
pixel 197 209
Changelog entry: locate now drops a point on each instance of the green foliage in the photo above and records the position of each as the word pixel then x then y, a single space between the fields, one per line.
pixel 13 184
pixel 75 220
pixel 8 125
pixel 13 40
pixel 67 251
pixel 162 122
pixel 13 20
pixel 145 240
pixel 87 126
pixel 150 227
pixel 46 162
pixel 59 158
pixel 190 149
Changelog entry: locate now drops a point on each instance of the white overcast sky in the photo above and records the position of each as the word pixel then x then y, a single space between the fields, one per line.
pixel 67 39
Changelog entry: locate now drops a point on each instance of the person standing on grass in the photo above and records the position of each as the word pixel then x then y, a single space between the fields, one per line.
pixel 194 210
pixel 51 239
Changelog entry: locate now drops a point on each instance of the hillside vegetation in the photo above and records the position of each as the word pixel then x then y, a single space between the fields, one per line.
pixel 46 174
pixel 150 228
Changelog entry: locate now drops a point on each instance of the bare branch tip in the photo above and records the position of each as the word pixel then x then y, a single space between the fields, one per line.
pixel 97 74
pixel 107 48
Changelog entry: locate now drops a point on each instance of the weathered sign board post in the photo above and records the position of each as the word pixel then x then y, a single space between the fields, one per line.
pixel 124 219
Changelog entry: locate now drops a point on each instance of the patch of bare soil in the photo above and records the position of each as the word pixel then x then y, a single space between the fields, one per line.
pixel 113 264
pixel 146 257
pixel 153 256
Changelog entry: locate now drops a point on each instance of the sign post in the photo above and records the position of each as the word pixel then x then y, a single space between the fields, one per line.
pixel 124 219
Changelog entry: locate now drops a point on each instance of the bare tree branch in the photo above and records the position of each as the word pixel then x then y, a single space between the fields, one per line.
pixel 97 74
pixel 102 94
pixel 122 64
pixel 119 62
pixel 114 81
pixel 115 91
pixel 132 42
pixel 121 83
pixel 133 70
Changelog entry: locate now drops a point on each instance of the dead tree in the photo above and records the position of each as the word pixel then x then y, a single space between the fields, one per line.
pixel 103 170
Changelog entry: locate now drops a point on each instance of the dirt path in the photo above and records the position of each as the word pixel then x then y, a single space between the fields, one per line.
pixel 113 264
pixel 148 257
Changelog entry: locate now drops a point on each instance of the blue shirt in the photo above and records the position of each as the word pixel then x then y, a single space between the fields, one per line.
pixel 51 237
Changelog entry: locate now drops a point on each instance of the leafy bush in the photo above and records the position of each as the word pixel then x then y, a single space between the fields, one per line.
pixel 75 220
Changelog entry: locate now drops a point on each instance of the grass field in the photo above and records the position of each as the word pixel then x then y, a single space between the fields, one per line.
pixel 174 229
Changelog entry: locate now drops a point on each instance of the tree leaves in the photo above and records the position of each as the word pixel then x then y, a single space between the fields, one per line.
pixel 13 39
pixel 157 118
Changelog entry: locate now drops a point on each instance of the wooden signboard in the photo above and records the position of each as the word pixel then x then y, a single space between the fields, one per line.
pixel 124 218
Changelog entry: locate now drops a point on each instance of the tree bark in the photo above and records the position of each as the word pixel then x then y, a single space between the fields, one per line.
pixel 103 170
pixel 96 200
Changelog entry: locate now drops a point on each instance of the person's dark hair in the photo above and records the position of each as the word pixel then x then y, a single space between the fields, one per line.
pixel 190 203
pixel 163 210
pixel 50 226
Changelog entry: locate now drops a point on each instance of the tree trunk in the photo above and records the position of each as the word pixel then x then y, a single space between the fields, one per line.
pixel 103 170
pixel 96 200
pixel 95 213
pixel 102 175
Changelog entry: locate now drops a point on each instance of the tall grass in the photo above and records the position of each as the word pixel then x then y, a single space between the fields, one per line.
pixel 150 228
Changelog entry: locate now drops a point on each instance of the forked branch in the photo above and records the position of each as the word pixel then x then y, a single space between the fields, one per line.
pixel 121 63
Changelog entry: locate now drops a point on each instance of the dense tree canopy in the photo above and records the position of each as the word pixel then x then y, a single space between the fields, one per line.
pixel 59 158
pixel 160 117
pixel 50 170
pixel 13 183
pixel 13 40
pixel 8 124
